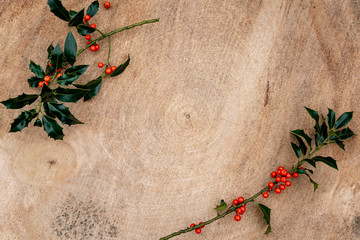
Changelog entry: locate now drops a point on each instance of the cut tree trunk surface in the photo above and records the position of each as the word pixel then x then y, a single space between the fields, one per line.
pixel 202 113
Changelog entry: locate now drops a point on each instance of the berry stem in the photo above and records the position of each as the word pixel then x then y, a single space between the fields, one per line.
pixel 108 58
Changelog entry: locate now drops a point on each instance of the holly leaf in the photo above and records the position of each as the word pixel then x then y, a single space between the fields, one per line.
pixel 57 57
pixel 52 128
pixel 70 49
pixel 266 214
pixel 302 145
pixel 37 70
pixel 46 94
pixel 84 29
pixel 323 133
pixel 34 81
pixel 315 116
pixel 20 101
pixel 120 68
pixel 343 120
pixel 296 149
pixel 38 123
pixel 72 14
pixel 61 112
pixel 222 206
pixel 77 19
pixel 340 144
pixel 67 79
pixel 344 134
pixel 59 10
pixel 93 8
pixel 69 94
pixel 327 160
pixel 23 120
pixel 301 133
pixel 331 118
pixel 316 185
pixel 93 88
pixel 311 162
pixel 78 70
pixel 300 171
pixel 50 50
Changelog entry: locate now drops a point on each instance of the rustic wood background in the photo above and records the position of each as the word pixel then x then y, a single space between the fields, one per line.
pixel 202 113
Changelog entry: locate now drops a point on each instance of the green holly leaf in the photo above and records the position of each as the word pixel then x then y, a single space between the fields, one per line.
pixel 311 162
pixel 84 29
pixel 301 133
pixel 70 49
pixel 222 206
pixel 266 214
pixel 46 94
pixel 120 68
pixel 331 118
pixel 34 81
pixel 343 120
pixel 323 133
pixel 50 50
pixel 37 70
pixel 38 123
pixel 300 171
pixel 59 10
pixel 344 134
pixel 327 160
pixel 61 112
pixel 309 170
pixel 20 101
pixel 340 144
pixel 23 120
pixel 78 70
pixel 77 19
pixel 72 14
pixel 69 94
pixel 315 116
pixel 93 88
pixel 296 149
pixel 302 145
pixel 52 128
pixel 67 79
pixel 57 57
pixel 316 185
pixel 93 8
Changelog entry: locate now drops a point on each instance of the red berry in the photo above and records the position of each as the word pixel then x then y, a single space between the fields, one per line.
pixel 235 202
pixel 87 17
pixel 193 224
pixel 93 48
pixel 265 195
pixel 97 47
pixel 49 64
pixel 282 187
pixel 107 5
pixel 93 25
pixel 239 211
pixel 59 75
pixel 283 179
pixel 237 218
pixel 295 174
pixel 301 168
pixel 283 172
pixel 277 190
pixel 201 223
pixel 59 70
pixel 88 42
pixel 198 230
pixel 47 79
pixel 278 179
pixel 47 84
pixel 100 64
pixel 41 84
pixel 273 174
pixel 278 172
pixel 113 68
pixel 271 184
pixel 242 208
pixel 281 168
pixel 87 36
pixel 288 183
pixel 108 71
pixel 288 175
pixel 245 205
pixel 240 199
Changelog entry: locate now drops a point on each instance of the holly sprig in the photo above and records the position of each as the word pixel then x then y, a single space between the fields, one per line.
pixel 327 131
pixel 57 82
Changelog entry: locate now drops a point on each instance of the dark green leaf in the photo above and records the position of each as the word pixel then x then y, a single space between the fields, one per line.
pixel 300 171
pixel 315 116
pixel 67 79
pixel 50 50
pixel 93 87
pixel 77 19
pixel 84 29
pixel 70 48
pixel 34 81
pixel 61 112
pixel 20 101
pixel 266 214
pixel 93 8
pixel 296 150
pixel 121 68
pixel 59 10
pixel 313 182
pixel 340 144
pixel 69 94
pixel 311 162
pixel 331 118
pixel 317 138
pixel 327 160
pixel 302 145
pixel 309 170
pixel 72 14
pixel 323 133
pixel 222 206
pixel 23 120
pixel 52 128
pixel 344 134
pixel 79 70
pixel 57 57
pixel 37 70
pixel 46 94
pixel 301 133
pixel 38 123
pixel 343 120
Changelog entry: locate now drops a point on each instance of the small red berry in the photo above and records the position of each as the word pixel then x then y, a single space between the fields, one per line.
pixel 107 5
pixel 100 64
pixel 193 224
pixel 87 36
pixel 295 174
pixel 49 64
pixel 265 195
pixel 47 84
pixel 97 47
pixel 93 25
pixel 245 205
pixel 59 75
pixel 113 68
pixel 235 202
pixel 302 168
pixel 278 179
pixel 283 172
pixel 59 70
pixel 87 17
pixel 198 230
pixel 93 48
pixel 108 71
pixel 47 79
pixel 237 218
pixel 273 174
pixel 88 42
pixel 288 175
pixel 277 190
pixel 201 223
pixel 283 179
pixel 271 184
pixel 239 211
pixel 240 199
pixel 41 84
pixel 288 183
pixel 278 172
pixel 281 168
pixel 242 209
pixel 282 187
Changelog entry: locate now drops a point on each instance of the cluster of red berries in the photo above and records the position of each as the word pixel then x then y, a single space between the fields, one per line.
pixel 281 176
pixel 241 210
pixel 108 70
pixel 197 230
pixel 47 79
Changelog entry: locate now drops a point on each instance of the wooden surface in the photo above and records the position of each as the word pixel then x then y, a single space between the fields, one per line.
pixel 202 113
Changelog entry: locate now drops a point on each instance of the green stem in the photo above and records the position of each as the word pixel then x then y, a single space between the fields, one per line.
pixel 108 58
